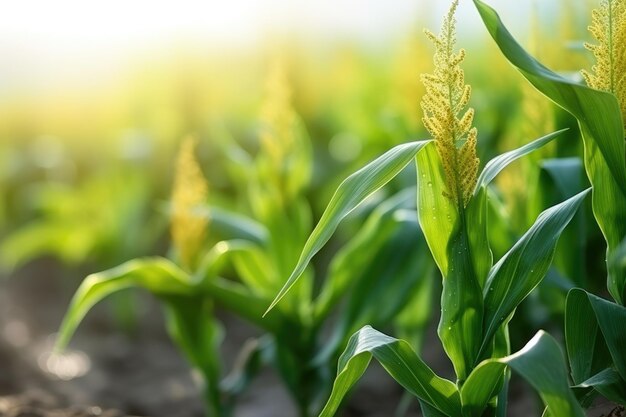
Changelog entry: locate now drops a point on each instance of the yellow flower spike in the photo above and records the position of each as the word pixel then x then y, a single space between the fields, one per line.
pixel 190 190
pixel 608 27
pixel 446 116
pixel 277 116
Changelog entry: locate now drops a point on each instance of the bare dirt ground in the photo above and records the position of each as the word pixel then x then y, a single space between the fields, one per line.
pixel 111 374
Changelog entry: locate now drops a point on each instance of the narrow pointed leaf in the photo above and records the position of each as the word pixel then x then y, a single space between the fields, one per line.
pixel 350 193
pixel 609 384
pixel 158 275
pixel 162 278
pixel 612 322
pixel 401 362
pixel 497 164
pixel 586 349
pixel 354 258
pixel 523 267
pixel 540 363
pixel 592 326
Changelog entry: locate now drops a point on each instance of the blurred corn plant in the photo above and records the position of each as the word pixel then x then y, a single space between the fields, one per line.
pixel 236 260
pixel 478 297
pixel 595 328
pixel 99 221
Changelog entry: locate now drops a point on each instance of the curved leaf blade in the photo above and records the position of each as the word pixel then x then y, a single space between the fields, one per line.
pixel 609 384
pixel 586 349
pixel 540 363
pixel 523 267
pixel 611 319
pixel 158 275
pixel 401 362
pixel 350 193
pixel 162 278
pixel 497 164
pixel 355 256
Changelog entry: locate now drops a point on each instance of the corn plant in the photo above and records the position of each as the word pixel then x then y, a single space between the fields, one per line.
pixel 235 260
pixel 478 297
pixel 595 327
pixel 98 221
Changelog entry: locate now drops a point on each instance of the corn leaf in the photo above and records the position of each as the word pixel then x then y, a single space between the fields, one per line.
pixel 401 362
pixel 430 411
pixel 355 257
pixel 587 351
pixel 230 225
pixel 200 340
pixel 585 315
pixel 600 122
pixel 449 240
pixel 609 384
pixel 392 276
pixel 437 214
pixel 162 278
pixel 350 193
pixel 559 179
pixel 497 164
pixel 540 363
pixel 523 267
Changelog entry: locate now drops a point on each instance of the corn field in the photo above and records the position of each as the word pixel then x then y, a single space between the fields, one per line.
pixel 239 232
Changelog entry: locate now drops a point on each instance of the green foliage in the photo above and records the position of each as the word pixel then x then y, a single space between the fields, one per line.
pixel 352 191
pixel 401 362
pixel 600 122
pixel 594 327
pixel 256 253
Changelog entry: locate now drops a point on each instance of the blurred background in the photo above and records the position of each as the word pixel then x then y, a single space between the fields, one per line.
pixel 86 88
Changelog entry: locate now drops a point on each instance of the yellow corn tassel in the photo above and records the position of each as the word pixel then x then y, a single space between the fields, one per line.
pixel 608 27
pixel 277 116
pixel 446 115
pixel 190 189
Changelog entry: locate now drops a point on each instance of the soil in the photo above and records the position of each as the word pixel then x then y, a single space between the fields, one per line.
pixel 108 373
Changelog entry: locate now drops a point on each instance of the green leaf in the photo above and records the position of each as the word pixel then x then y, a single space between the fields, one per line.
pixel 158 275
pixel 388 283
pixel 523 267
pixel 560 179
pixel 497 164
pixel 540 363
pixel 162 278
pixel 601 125
pixel 587 351
pixel 461 253
pixel 191 324
pixel 609 384
pixel 354 258
pixel 230 225
pixel 437 214
pixel 401 362
pixel 251 357
pixel 350 193
pixel 611 320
